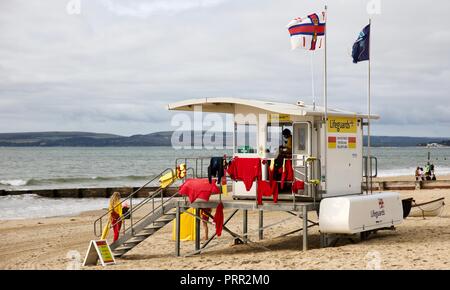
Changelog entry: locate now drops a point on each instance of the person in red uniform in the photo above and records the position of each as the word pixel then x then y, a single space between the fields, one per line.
pixel 116 214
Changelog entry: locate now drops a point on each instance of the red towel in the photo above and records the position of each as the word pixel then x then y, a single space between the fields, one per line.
pixel 288 173
pixel 267 188
pixel 198 188
pixel 246 170
pixel 218 219
pixel 298 185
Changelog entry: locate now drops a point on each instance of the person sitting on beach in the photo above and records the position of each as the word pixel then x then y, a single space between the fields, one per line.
pixel 433 176
pixel 115 209
pixel 422 175
pixel 428 171
pixel 418 174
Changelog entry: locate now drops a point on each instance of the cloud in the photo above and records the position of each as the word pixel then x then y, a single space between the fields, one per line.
pixel 140 8
pixel 115 66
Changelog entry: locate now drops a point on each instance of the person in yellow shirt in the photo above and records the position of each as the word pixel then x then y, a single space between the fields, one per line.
pixel 115 218
pixel 287 140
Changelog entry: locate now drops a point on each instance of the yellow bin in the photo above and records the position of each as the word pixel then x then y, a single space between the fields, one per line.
pixel 187 226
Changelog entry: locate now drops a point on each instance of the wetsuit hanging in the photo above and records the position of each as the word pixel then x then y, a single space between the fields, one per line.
pixel 216 169
pixel 288 174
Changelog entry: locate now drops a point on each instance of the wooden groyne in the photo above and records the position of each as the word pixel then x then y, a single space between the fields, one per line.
pixel 409 185
pixel 90 192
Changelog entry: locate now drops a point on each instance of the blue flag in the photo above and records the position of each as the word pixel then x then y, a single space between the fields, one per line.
pixel 361 48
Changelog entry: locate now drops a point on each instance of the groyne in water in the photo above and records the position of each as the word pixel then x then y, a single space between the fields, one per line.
pixel 105 192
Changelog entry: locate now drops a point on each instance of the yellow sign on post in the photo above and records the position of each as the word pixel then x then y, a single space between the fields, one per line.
pixel 342 125
pixel 99 250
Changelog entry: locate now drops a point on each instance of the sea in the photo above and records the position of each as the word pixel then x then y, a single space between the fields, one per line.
pixel 28 168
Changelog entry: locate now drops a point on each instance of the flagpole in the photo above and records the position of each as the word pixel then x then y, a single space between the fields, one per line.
pixel 312 81
pixel 325 95
pixel 369 160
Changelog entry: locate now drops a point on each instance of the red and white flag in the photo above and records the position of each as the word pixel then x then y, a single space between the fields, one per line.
pixel 308 32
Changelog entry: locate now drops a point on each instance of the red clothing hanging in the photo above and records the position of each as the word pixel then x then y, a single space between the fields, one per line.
pixel 271 169
pixel 198 188
pixel 246 170
pixel 287 172
pixel 117 224
pixel 218 219
pixel 267 188
pixel 298 185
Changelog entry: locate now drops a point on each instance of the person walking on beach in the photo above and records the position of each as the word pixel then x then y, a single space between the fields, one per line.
pixel 115 217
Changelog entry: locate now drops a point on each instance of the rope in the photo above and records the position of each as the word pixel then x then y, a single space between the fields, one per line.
pixel 440 207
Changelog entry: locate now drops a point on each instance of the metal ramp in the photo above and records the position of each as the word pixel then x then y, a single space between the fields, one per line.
pixel 144 218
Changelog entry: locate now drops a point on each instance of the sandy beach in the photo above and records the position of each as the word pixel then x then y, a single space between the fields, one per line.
pixel 416 244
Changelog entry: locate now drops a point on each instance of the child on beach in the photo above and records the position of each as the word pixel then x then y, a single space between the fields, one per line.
pixel 115 218
pixel 204 213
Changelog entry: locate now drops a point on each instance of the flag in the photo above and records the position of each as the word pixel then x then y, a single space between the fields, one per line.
pixel 361 48
pixel 308 32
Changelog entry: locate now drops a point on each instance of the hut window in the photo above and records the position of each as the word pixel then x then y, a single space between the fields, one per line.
pixel 245 138
pixel 275 137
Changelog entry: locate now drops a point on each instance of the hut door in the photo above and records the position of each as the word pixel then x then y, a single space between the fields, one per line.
pixel 301 148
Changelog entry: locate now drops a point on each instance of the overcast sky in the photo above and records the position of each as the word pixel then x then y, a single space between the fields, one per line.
pixel 113 67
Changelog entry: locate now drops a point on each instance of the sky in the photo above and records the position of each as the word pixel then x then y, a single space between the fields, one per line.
pixel 112 66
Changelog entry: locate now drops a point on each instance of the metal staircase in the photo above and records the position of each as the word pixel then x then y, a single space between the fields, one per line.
pixel 152 213
pixel 144 229
pixel 143 219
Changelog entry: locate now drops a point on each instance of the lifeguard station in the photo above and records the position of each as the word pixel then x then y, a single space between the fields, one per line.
pixel 322 150
pixel 313 153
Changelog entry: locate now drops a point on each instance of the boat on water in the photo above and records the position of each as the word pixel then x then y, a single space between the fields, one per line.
pixel 428 209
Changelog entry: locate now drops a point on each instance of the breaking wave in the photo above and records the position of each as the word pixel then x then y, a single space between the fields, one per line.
pixel 72 180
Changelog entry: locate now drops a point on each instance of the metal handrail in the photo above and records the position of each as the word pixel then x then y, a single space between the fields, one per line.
pixel 151 197
pixel 199 164
pixel 366 166
pixel 147 199
pixel 130 197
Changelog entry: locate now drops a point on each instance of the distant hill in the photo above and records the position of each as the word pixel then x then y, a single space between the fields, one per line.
pixel 395 141
pixel 86 139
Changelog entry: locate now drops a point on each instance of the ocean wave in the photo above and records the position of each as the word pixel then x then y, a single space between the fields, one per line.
pixel 14 182
pixel 27 206
pixel 71 180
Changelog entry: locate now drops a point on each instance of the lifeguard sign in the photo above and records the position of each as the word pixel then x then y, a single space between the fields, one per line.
pixel 99 250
